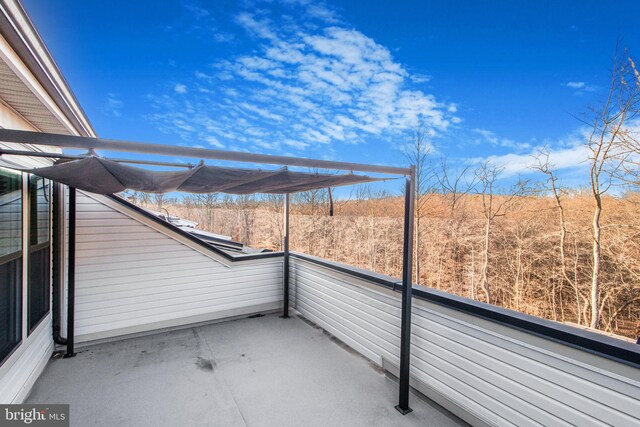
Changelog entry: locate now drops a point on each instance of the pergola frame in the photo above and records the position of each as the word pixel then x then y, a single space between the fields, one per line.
pixel 92 144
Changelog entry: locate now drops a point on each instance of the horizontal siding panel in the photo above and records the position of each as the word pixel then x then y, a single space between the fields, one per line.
pixel 133 311
pixel 88 207
pixel 532 399
pixel 89 274
pixel 496 378
pixel 101 215
pixel 489 382
pixel 111 323
pixel 141 256
pixel 176 295
pixel 379 313
pixel 546 377
pixel 130 275
pixel 121 221
pixel 363 318
pixel 116 234
pixel 360 331
pixel 166 282
pixel 389 332
pixel 128 246
pixel 100 264
pixel 124 227
pixel 329 323
pixel 537 361
pixel 21 369
pixel 467 394
pixel 91 243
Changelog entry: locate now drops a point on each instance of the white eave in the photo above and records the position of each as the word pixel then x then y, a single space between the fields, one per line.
pixel 31 83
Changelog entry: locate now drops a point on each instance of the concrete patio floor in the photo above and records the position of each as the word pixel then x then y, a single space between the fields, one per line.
pixel 264 371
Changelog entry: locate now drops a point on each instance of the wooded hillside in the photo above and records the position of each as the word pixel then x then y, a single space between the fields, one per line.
pixel 524 267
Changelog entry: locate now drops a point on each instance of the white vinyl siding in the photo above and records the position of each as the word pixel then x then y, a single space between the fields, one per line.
pixel 132 278
pixel 484 372
pixel 22 369
pixel 19 372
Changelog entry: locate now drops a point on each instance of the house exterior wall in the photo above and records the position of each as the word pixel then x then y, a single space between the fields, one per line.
pixel 486 373
pixel 133 276
pixel 20 370
pixel 33 97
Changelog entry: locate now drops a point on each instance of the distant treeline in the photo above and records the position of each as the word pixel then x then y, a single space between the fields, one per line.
pixel 525 268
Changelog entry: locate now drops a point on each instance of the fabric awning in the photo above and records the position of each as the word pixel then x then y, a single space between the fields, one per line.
pixel 102 176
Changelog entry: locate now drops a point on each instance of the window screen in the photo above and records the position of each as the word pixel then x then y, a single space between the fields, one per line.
pixel 39 249
pixel 10 261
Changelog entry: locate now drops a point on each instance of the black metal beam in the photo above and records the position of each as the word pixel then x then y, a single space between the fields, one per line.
pixel 407 287
pixel 71 275
pixel 86 143
pixel 285 311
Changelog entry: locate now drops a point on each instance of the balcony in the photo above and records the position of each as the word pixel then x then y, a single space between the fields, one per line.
pixel 259 371
pixel 162 320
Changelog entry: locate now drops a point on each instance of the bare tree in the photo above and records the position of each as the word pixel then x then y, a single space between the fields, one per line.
pixel 418 155
pixel 606 160
pixel 158 200
pixel 544 165
pixel 275 204
pixel 456 186
pixel 630 135
pixel 493 206
pixel 208 202
pixel 246 205
pixel 141 199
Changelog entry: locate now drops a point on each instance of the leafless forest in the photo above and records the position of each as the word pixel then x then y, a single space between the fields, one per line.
pixel 525 268
pixel 534 245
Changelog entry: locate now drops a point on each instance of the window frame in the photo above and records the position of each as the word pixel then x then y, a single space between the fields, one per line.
pixel 21 268
pixel 31 249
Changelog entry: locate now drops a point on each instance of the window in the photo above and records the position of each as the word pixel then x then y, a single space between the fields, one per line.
pixel 10 261
pixel 39 249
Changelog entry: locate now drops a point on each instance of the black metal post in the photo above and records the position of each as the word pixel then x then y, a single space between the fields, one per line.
pixel 71 274
pixel 58 261
pixel 407 283
pixel 285 313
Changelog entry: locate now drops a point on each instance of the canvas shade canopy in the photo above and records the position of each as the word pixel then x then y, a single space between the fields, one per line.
pixel 103 176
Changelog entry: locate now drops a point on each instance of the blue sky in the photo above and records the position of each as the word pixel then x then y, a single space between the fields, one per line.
pixel 343 80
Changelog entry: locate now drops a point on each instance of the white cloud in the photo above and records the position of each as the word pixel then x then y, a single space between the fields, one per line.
pixel 296 144
pixel 575 85
pixel 419 78
pixel 223 37
pixel 487 136
pixel 564 158
pixel 309 80
pixel 565 154
pixel 213 141
pixel 258 27
pixel 180 88
pixel 261 112
pixel 322 12
pixel 580 87
pixel 114 104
